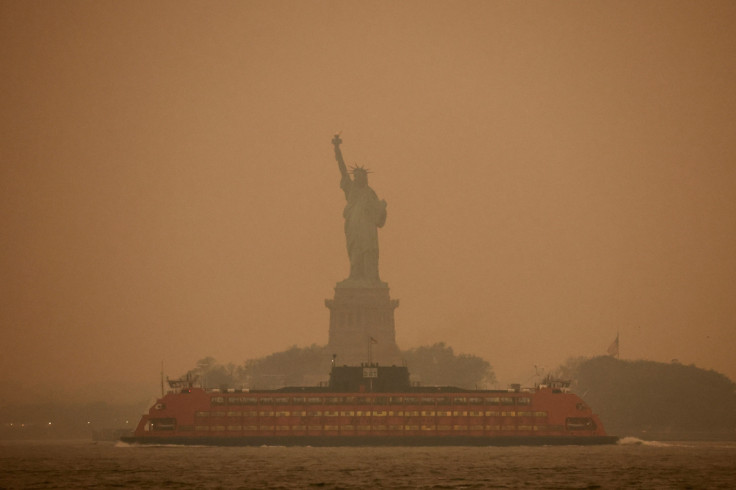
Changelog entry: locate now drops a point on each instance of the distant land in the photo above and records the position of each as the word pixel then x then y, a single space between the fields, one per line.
pixel 68 420
pixel 645 399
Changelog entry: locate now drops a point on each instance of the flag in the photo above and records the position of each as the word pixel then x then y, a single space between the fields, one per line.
pixel 373 341
pixel 613 349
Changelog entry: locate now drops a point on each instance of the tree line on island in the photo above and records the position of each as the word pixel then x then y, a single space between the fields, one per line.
pixel 434 365
pixel 655 400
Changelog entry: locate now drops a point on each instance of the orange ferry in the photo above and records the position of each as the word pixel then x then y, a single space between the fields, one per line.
pixel 370 405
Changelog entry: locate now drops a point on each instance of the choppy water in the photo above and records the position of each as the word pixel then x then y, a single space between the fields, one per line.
pixel 630 464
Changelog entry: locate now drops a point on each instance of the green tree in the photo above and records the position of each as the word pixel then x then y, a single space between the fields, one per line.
pixel 211 374
pixel 296 366
pixel 438 365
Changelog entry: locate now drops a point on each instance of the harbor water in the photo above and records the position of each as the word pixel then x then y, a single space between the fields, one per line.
pixel 631 463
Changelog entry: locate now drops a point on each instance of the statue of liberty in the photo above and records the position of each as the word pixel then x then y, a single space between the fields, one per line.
pixel 363 214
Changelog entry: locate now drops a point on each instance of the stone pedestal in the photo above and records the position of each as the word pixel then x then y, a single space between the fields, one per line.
pixel 362 326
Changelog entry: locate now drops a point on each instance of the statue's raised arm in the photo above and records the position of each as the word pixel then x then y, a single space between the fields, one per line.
pixel 338 156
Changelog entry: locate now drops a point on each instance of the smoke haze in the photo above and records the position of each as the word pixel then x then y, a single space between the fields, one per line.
pixel 556 173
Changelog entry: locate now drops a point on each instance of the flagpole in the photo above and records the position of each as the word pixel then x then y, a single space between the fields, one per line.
pixel 613 349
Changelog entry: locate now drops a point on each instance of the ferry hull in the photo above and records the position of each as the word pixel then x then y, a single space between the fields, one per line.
pixel 377 441
pixel 385 411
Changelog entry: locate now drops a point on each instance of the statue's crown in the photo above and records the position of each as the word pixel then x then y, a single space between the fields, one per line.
pixel 357 169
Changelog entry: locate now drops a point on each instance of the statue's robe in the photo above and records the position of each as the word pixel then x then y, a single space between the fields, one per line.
pixel 363 214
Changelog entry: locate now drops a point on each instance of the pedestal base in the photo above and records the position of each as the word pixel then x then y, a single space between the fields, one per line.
pixel 362 326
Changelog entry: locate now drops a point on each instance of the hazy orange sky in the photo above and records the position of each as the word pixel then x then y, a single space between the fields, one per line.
pixel 555 172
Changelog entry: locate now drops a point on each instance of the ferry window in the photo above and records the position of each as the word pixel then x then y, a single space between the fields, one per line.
pixel 163 424
pixel 266 401
pixel 281 401
pixel 410 400
pixel 427 401
pixel 507 401
pixel 217 400
pixel 579 423
pixel 460 400
pixel 201 414
pixel 217 414
pixel 348 400
pixel 362 400
pixel 333 400
pixel 298 400
pixel 395 400
pixel 445 400
pixel 242 400
pixel 475 400
pixel 494 400
pixel 314 400
pixel 523 401
pixel 380 400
